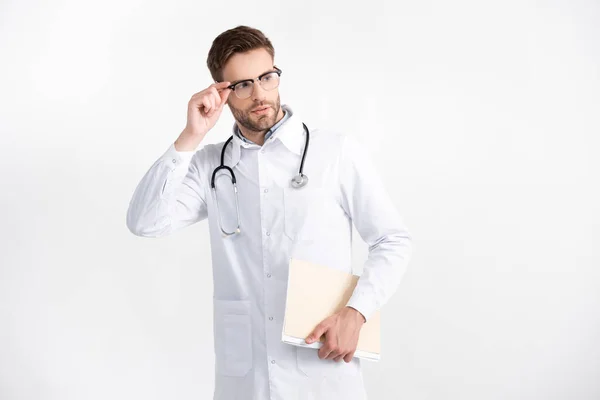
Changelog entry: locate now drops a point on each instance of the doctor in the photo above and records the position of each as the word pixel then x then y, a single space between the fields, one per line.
pixel 276 221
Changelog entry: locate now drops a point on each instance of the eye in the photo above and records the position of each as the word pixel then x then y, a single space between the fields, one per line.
pixel 242 85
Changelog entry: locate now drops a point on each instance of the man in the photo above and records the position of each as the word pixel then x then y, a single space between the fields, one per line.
pixel 276 221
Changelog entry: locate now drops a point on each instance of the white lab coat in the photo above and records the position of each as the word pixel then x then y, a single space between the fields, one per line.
pixel 250 270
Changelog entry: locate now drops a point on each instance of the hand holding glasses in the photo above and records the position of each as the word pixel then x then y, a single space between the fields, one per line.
pixel 268 81
pixel 204 108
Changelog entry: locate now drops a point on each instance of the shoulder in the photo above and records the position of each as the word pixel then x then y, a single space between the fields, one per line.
pixel 208 155
pixel 327 137
pixel 334 141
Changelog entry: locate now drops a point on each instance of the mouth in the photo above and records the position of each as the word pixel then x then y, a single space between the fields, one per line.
pixel 261 110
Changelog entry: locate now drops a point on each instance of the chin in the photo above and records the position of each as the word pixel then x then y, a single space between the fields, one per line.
pixel 263 118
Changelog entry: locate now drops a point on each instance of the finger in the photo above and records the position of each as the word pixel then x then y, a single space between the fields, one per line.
pixel 331 349
pixel 348 357
pixel 207 104
pixel 216 99
pixel 338 358
pixel 221 85
pixel 213 106
pixel 214 103
pixel 325 352
pixel 224 94
pixel 316 333
pixel 335 353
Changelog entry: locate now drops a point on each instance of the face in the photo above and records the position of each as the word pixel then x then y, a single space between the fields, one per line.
pixel 250 65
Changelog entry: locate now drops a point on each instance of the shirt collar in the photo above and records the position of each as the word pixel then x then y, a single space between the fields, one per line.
pixel 287 113
pixel 290 133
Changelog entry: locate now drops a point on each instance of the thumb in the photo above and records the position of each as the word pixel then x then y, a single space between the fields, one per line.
pixel 317 333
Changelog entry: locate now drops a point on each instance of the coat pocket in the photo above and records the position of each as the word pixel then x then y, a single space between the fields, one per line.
pixel 302 211
pixel 312 366
pixel 233 337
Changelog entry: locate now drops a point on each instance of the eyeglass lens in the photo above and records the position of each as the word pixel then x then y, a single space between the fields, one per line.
pixel 269 81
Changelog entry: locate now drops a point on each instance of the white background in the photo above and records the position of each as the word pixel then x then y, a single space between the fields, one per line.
pixel 483 118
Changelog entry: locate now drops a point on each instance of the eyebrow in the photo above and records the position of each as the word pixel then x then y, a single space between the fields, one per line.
pixel 252 79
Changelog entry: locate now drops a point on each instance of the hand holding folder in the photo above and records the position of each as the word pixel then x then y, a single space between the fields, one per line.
pixel 316 292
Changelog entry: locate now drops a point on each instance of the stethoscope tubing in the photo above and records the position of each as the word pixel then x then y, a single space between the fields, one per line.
pixel 297 182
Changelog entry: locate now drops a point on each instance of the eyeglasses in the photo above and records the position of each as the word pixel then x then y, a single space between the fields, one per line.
pixel 268 81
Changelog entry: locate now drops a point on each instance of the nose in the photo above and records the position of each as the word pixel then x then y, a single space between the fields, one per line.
pixel 258 93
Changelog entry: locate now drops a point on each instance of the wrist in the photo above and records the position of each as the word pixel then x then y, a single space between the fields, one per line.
pixel 187 141
pixel 361 318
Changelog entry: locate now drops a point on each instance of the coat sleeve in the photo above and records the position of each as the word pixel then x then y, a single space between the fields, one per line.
pixel 365 200
pixel 170 196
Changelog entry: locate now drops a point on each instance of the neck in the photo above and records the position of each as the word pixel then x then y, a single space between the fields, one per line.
pixel 259 137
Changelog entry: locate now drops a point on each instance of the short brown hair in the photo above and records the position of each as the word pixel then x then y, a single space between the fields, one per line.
pixel 236 40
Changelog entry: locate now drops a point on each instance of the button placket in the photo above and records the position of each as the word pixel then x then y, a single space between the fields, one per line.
pixel 267 210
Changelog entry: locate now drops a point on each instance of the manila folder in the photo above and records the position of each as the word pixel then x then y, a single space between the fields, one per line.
pixel 314 293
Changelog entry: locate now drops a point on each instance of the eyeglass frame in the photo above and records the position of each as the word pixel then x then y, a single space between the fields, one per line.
pixel 277 70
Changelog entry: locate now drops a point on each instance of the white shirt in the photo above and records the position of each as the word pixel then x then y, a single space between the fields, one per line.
pixel 250 269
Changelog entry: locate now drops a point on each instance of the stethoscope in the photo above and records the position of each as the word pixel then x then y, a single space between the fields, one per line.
pixel 297 181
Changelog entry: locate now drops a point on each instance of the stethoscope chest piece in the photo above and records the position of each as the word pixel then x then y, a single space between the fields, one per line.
pixel 299 181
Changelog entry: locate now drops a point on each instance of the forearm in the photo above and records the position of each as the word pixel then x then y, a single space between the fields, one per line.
pixel 382 272
pixel 158 200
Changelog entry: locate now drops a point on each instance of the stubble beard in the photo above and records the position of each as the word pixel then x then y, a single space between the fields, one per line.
pixel 256 123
